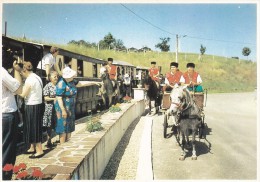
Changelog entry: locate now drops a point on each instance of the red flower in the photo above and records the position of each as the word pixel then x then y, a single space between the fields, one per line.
pixel 22 175
pixel 22 166
pixel 8 167
pixel 37 173
pixel 16 169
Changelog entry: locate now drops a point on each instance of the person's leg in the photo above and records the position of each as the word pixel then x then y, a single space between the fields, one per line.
pixel 39 150
pixel 32 148
pixel 68 136
pixel 62 138
pixel 9 127
pixel 49 131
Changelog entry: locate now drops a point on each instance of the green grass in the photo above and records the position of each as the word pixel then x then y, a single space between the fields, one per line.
pixel 219 74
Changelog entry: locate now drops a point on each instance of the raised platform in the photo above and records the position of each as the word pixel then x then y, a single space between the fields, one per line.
pixel 86 155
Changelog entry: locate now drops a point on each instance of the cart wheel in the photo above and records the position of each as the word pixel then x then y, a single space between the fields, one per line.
pixel 165 125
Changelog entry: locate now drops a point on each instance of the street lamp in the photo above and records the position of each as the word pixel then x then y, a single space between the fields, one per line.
pixel 177 45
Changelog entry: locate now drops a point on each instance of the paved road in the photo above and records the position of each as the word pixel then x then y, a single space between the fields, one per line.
pixel 232 133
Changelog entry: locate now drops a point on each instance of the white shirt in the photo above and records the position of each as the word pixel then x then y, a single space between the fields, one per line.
pixel 166 81
pixel 47 59
pixel 127 80
pixel 35 95
pixel 102 70
pixel 9 86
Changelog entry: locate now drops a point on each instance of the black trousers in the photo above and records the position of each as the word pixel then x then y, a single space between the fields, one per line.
pixel 9 130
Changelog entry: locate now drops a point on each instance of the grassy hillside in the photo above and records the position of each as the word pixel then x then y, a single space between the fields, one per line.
pixel 219 74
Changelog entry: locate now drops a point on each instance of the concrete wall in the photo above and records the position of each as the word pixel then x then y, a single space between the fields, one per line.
pixel 93 165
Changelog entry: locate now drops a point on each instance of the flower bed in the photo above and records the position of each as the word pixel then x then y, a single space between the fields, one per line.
pixel 21 172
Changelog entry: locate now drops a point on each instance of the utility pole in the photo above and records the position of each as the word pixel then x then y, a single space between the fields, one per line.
pixel 177 45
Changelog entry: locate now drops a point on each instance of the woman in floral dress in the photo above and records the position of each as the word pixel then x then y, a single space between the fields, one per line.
pixel 49 117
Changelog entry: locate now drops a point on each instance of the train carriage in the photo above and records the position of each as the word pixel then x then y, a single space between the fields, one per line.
pixel 86 97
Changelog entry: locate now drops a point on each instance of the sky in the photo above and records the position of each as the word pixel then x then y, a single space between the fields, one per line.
pixel 224 29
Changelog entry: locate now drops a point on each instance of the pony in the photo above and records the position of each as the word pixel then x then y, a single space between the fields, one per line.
pixel 110 90
pixel 187 117
pixel 152 92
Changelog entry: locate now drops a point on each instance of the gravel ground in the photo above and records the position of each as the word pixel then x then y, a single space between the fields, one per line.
pixel 124 161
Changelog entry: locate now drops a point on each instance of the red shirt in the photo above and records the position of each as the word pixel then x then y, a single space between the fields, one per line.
pixel 112 71
pixel 152 72
pixel 188 78
pixel 174 78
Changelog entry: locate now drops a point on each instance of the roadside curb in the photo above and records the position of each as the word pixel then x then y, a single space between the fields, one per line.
pixel 144 168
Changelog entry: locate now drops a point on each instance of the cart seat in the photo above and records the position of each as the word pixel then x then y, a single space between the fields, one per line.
pixel 166 100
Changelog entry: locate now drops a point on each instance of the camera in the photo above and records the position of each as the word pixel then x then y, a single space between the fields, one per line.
pixel 9 56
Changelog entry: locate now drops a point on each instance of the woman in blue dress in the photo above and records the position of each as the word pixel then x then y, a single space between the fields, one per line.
pixel 66 90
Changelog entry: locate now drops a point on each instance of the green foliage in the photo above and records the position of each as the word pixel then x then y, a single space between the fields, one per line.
pixel 82 43
pixel 164 44
pixel 107 42
pixel 94 125
pixel 115 108
pixel 246 51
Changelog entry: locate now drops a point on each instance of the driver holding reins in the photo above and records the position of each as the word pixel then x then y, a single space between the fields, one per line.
pixel 154 73
pixel 173 77
pixel 192 79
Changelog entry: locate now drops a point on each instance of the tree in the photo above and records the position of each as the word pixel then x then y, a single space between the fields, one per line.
pixel 246 51
pixel 164 44
pixel 119 44
pixel 202 51
pixel 82 43
pixel 108 41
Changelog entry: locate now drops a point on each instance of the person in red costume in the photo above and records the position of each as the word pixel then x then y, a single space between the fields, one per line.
pixel 192 78
pixel 112 69
pixel 173 77
pixel 154 73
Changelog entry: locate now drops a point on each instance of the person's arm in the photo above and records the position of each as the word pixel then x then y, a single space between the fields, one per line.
pixel 47 67
pixel 18 77
pixel 182 80
pixel 56 68
pixel 62 107
pixel 46 93
pixel 199 80
pixel 88 83
pixel 116 74
pixel 26 90
pixel 166 81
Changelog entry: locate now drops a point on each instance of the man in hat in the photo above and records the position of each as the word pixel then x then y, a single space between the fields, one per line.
pixel 173 77
pixel 112 69
pixel 48 63
pixel 192 78
pixel 154 73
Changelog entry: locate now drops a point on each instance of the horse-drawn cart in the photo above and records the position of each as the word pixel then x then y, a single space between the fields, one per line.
pixel 197 97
